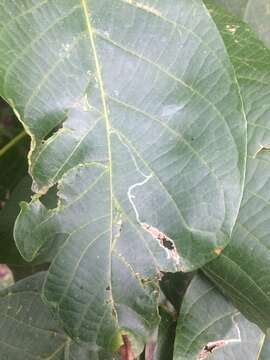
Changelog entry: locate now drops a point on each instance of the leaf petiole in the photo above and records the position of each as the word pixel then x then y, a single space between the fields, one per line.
pixel 12 143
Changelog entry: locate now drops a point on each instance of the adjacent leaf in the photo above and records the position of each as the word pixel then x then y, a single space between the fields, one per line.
pixel 255 13
pixel 29 331
pixel 163 348
pixel 174 287
pixel 209 325
pixel 237 7
pixel 265 350
pixel 150 155
pixel 242 270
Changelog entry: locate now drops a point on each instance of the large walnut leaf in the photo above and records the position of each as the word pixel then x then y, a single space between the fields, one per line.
pixel 134 109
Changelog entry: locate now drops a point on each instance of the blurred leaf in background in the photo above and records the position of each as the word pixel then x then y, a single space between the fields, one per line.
pixel 13 152
pixel 14 182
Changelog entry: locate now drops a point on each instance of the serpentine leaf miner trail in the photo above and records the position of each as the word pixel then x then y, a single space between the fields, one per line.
pixel 164 241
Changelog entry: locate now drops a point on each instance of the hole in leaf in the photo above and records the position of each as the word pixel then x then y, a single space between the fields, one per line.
pixel 50 199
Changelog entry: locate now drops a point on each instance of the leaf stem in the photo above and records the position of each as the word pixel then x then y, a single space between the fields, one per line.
pixel 12 143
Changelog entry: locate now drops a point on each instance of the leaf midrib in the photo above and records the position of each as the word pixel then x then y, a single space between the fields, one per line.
pixel 86 12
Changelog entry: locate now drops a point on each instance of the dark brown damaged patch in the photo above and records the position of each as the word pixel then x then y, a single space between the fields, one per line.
pixel 163 240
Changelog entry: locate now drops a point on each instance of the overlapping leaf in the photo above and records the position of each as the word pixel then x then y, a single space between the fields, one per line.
pixel 255 13
pixel 237 7
pixel 242 270
pixel 209 326
pixel 150 155
pixel 29 331
pixel 163 348
pixel 265 349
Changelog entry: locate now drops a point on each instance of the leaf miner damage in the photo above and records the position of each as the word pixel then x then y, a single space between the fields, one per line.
pixel 164 241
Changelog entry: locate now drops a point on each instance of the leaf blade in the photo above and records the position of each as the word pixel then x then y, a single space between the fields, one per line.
pixel 147 127
pixel 221 332
pixel 242 269
pixel 28 327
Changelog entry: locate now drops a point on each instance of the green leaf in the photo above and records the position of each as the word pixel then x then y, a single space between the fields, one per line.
pixel 209 325
pixel 237 7
pixel 166 332
pixel 265 349
pixel 149 157
pixel 242 270
pixel 8 252
pixel 174 287
pixel 13 150
pixel 255 13
pixel 13 186
pixel 29 331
